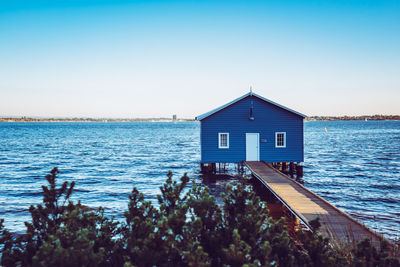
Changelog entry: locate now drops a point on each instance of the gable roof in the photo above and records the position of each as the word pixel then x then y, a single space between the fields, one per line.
pixel 205 115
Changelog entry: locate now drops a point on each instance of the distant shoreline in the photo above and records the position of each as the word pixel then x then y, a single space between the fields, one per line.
pixel 355 118
pixel 28 119
pixel 311 118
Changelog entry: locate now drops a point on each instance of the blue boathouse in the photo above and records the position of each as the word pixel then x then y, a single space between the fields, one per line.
pixel 251 128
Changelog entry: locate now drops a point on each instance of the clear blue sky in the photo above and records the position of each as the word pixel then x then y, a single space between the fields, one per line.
pixel 158 58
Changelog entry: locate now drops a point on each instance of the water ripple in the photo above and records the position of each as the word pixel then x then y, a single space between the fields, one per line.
pixel 356 166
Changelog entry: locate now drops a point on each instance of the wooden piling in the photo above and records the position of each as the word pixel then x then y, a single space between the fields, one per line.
pixel 284 167
pixel 299 171
pixel 291 169
pixel 240 168
pixel 208 168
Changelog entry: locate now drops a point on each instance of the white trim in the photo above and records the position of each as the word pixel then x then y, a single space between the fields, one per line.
pixel 219 141
pixel 276 139
pixel 205 115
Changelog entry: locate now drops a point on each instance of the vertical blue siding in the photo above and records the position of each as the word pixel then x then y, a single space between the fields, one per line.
pixel 268 120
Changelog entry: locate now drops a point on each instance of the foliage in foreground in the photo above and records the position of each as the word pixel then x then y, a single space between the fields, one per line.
pixel 188 229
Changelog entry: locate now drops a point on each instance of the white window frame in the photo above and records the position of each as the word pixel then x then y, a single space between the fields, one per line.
pixel 276 139
pixel 219 141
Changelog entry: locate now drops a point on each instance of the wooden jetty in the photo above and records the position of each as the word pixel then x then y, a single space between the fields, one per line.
pixel 306 206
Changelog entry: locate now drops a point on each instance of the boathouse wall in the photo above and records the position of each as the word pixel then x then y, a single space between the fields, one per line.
pixel 268 119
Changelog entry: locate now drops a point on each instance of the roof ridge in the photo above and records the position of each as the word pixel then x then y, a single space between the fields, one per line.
pixel 207 114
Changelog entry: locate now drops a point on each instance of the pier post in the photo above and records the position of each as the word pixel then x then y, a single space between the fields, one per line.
pixel 299 171
pixel 207 167
pixel 291 169
pixel 284 167
pixel 240 168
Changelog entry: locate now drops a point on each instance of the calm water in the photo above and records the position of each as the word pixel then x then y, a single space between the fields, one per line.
pixel 355 166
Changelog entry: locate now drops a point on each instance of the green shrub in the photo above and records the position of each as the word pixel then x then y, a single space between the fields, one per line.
pixel 188 229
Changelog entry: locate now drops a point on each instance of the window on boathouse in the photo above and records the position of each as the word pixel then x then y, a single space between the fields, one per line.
pixel 280 139
pixel 223 140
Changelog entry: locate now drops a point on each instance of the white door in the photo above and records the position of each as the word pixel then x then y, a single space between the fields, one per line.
pixel 252 147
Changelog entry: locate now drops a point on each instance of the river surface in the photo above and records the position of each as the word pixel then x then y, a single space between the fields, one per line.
pixel 355 165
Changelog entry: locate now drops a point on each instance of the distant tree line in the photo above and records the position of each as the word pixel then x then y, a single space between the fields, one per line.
pixel 354 118
pixel 188 229
pixel 81 119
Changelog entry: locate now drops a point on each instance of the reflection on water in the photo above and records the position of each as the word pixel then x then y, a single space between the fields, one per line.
pixel 355 166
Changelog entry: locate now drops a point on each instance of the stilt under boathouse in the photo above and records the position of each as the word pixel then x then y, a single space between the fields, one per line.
pixel 251 128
